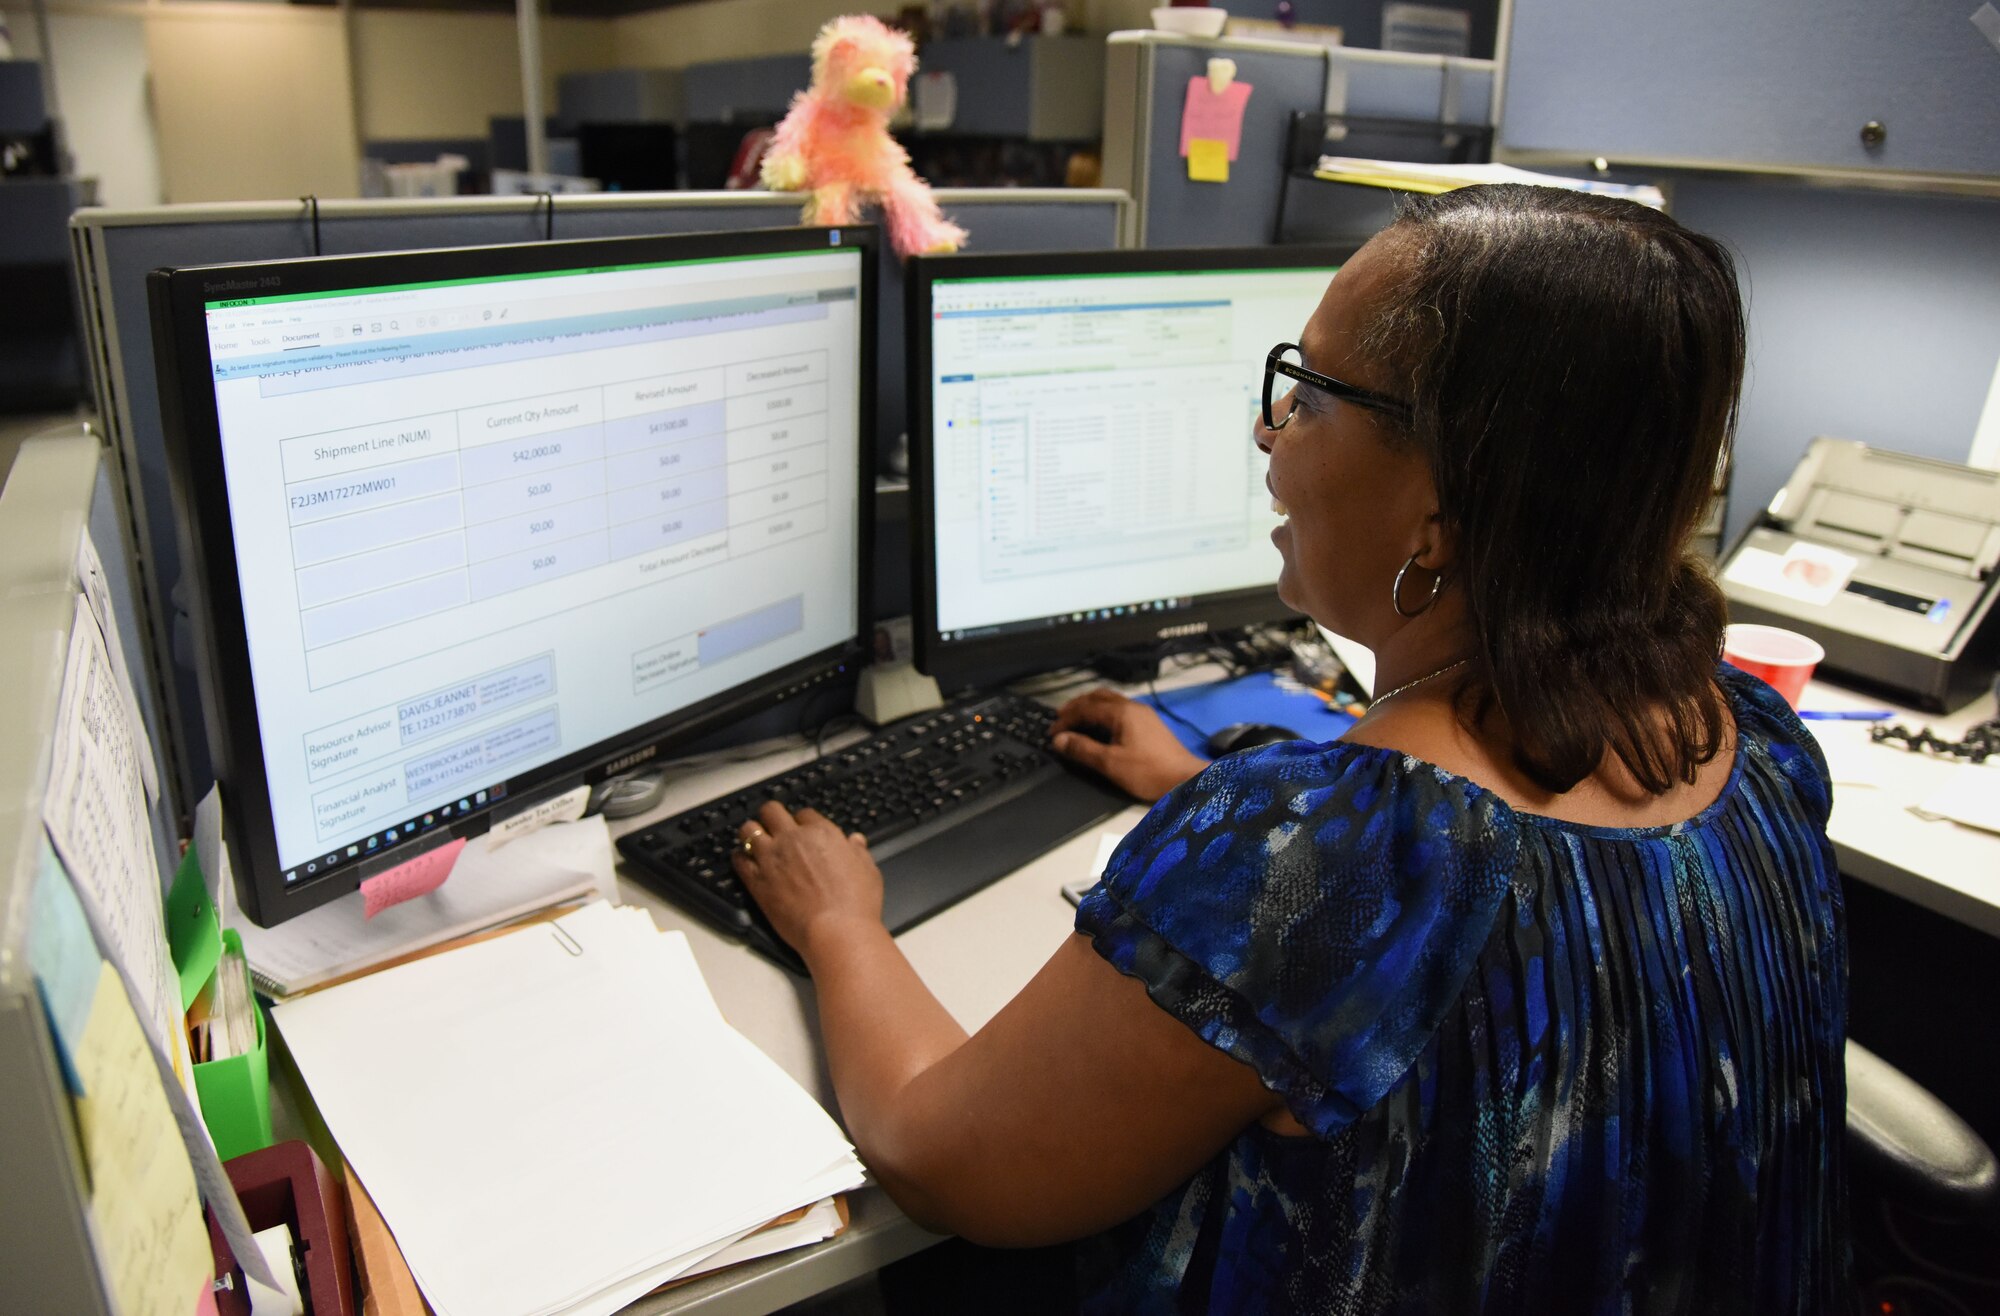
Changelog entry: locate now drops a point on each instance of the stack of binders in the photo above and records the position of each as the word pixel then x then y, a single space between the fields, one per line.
pixel 558 1120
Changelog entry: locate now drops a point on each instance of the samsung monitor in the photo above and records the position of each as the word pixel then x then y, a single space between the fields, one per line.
pixel 1082 472
pixel 473 527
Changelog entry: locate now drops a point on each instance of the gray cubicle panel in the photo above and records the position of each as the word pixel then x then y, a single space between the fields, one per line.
pixel 1146 81
pixel 1037 89
pixel 114 250
pixel 724 91
pixel 619 96
pixel 23 109
pixel 1772 88
pixel 41 536
pixel 56 488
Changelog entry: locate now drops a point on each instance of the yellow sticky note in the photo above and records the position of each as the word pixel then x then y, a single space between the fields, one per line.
pixel 1208 160
pixel 142 1192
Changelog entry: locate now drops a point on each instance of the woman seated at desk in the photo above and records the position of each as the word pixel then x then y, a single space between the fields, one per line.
pixel 1525 995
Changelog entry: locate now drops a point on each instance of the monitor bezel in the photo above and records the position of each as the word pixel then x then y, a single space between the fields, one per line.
pixel 178 301
pixel 967 663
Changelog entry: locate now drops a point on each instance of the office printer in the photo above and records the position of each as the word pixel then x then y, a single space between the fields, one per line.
pixel 1891 562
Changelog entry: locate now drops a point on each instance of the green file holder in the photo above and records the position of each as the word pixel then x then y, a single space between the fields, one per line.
pixel 236 1093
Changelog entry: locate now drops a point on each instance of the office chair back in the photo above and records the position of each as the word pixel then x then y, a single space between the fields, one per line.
pixel 1909 1147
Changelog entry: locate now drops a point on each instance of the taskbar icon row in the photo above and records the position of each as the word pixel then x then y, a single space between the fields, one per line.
pixel 1067 619
pixel 410 829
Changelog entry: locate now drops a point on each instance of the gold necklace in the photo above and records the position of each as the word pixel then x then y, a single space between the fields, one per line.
pixel 1427 676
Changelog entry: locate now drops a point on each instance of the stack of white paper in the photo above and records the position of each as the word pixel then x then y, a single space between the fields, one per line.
pixel 559 1120
pixel 1969 797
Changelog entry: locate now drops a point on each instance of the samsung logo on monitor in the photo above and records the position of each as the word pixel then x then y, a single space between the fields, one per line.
pixel 631 760
pixel 1184 629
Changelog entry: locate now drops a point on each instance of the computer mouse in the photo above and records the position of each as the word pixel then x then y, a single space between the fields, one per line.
pixel 1248 735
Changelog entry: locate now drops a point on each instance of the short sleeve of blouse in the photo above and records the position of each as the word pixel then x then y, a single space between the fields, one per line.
pixel 1765 720
pixel 1312 910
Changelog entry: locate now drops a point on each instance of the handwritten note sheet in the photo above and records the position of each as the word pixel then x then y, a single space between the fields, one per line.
pixel 95 813
pixel 142 1196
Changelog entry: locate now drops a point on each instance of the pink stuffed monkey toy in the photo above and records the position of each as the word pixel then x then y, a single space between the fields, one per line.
pixel 835 142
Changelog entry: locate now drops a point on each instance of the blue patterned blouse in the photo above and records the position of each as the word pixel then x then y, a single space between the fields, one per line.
pixel 1548 1067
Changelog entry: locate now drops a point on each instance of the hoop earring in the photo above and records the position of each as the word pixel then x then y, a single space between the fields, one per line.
pixel 1396 591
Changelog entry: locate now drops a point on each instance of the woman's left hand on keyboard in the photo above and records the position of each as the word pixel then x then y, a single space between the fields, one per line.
pixel 805 874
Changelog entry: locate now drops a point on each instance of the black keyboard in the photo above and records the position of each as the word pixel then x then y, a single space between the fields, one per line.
pixel 949 800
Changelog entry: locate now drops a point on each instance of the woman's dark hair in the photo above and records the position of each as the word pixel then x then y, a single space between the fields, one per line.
pixel 1573 364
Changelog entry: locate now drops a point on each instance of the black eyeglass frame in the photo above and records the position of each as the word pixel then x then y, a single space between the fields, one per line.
pixel 1275 365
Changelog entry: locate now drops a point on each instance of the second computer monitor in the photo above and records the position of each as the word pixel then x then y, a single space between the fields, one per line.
pixel 1082 472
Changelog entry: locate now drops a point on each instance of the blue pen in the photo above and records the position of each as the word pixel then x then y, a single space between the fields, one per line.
pixel 1846 714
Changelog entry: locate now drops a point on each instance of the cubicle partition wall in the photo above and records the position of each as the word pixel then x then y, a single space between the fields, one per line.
pixel 1146 85
pixel 1034 89
pixel 1859 91
pixel 57 495
pixel 114 250
pixel 723 99
pixel 1851 166
pixel 627 126
pixel 720 91
pixel 625 96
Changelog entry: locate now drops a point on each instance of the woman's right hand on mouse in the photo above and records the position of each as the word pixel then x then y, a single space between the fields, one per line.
pixel 1136 752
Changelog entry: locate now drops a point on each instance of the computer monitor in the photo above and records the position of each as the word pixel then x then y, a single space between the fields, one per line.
pixel 1082 474
pixel 471 527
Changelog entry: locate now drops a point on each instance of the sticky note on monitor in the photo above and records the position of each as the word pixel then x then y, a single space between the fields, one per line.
pixel 1208 161
pixel 419 877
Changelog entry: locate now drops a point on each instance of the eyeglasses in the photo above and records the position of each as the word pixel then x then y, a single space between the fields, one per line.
pixel 1288 362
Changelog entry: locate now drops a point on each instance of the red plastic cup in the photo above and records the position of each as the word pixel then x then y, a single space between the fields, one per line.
pixel 1782 659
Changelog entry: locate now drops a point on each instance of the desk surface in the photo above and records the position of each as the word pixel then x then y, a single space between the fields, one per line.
pixel 979 953
pixel 1947 868
pixel 975 956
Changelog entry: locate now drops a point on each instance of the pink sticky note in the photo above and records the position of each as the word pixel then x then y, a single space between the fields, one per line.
pixel 1212 117
pixel 205 1304
pixel 421 876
